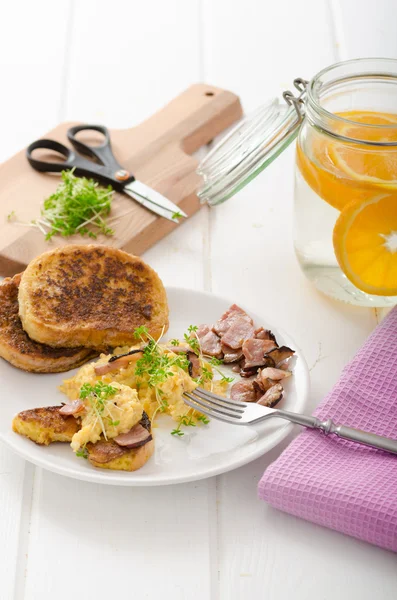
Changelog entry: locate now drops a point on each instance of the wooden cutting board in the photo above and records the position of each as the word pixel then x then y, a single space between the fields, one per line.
pixel 158 152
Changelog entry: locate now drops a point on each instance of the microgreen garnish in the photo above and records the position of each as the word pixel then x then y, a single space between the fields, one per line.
pixel 102 391
pixel 215 362
pixel 141 332
pixel 177 215
pixel 206 375
pixel 99 395
pixel 78 205
pixel 155 365
pixel 177 432
pixel 82 453
pixel 225 379
pixel 204 419
pixel 193 343
pixel 185 420
pixel 11 216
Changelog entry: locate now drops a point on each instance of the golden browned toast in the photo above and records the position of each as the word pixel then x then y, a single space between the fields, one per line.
pixel 93 296
pixel 18 349
pixel 45 425
pixel 108 455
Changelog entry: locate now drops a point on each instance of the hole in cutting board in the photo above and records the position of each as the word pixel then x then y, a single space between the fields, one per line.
pixel 209 94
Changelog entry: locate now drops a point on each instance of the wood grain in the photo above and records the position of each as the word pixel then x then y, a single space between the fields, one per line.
pixel 158 152
pixel 134 542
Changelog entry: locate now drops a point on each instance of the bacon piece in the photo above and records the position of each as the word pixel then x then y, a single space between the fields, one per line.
pixel 230 355
pixel 259 391
pixel 194 364
pixel 265 334
pixel 263 382
pixel 177 349
pixel 73 408
pixel 274 374
pixel 229 317
pixel 211 344
pixel 240 331
pixel 272 396
pixel 202 330
pixel 248 372
pixel 194 361
pixel 254 351
pixel 243 391
pixel 135 437
pixel 209 341
pixel 119 363
pixel 279 355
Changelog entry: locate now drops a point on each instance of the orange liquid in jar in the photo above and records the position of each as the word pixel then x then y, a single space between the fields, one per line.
pixel 331 174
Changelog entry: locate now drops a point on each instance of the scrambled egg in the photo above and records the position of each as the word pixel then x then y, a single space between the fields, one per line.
pixel 167 395
pixel 120 413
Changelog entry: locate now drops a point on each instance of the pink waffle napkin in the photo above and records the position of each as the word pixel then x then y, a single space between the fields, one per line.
pixel 337 483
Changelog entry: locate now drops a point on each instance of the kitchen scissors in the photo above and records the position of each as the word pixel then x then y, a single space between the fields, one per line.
pixel 103 167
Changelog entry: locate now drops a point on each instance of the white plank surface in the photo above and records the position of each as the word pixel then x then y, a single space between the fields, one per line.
pixel 29 105
pixel 33 49
pixel 257 553
pixel 150 520
pixel 127 58
pixel 145 542
pixel 364 28
pixel 116 62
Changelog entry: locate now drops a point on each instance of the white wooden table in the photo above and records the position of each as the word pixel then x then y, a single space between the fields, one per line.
pixel 116 62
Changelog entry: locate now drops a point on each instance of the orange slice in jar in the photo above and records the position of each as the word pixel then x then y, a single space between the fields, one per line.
pixel 323 177
pixel 365 244
pixel 340 172
pixel 367 164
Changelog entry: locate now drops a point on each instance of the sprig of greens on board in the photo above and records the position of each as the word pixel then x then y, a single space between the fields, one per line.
pixel 78 206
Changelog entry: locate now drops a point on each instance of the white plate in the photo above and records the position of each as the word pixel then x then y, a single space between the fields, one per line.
pixel 202 452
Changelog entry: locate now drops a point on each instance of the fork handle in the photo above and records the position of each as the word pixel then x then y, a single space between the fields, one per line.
pixel 342 431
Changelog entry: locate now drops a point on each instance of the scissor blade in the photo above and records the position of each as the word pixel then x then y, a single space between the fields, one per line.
pixel 145 191
pixel 162 212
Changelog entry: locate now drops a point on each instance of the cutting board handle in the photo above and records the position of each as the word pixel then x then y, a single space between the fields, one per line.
pixel 194 117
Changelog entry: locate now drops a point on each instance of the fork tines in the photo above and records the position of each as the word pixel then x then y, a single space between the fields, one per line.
pixel 215 406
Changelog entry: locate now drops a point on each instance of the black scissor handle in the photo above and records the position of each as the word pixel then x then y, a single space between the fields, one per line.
pixel 105 168
pixel 102 152
pixel 47 165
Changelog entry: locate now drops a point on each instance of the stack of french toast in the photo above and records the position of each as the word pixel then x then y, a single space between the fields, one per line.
pixel 69 305
pixel 73 302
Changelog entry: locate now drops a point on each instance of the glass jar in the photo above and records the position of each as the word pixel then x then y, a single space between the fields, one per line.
pixel 345 210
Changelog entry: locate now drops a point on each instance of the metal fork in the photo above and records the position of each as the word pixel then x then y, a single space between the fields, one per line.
pixel 242 413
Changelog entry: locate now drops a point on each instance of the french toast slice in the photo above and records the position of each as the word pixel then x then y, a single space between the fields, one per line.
pixel 92 296
pixel 107 454
pixel 45 425
pixel 18 349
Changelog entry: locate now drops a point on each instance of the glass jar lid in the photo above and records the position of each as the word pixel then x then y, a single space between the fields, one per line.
pixel 251 146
